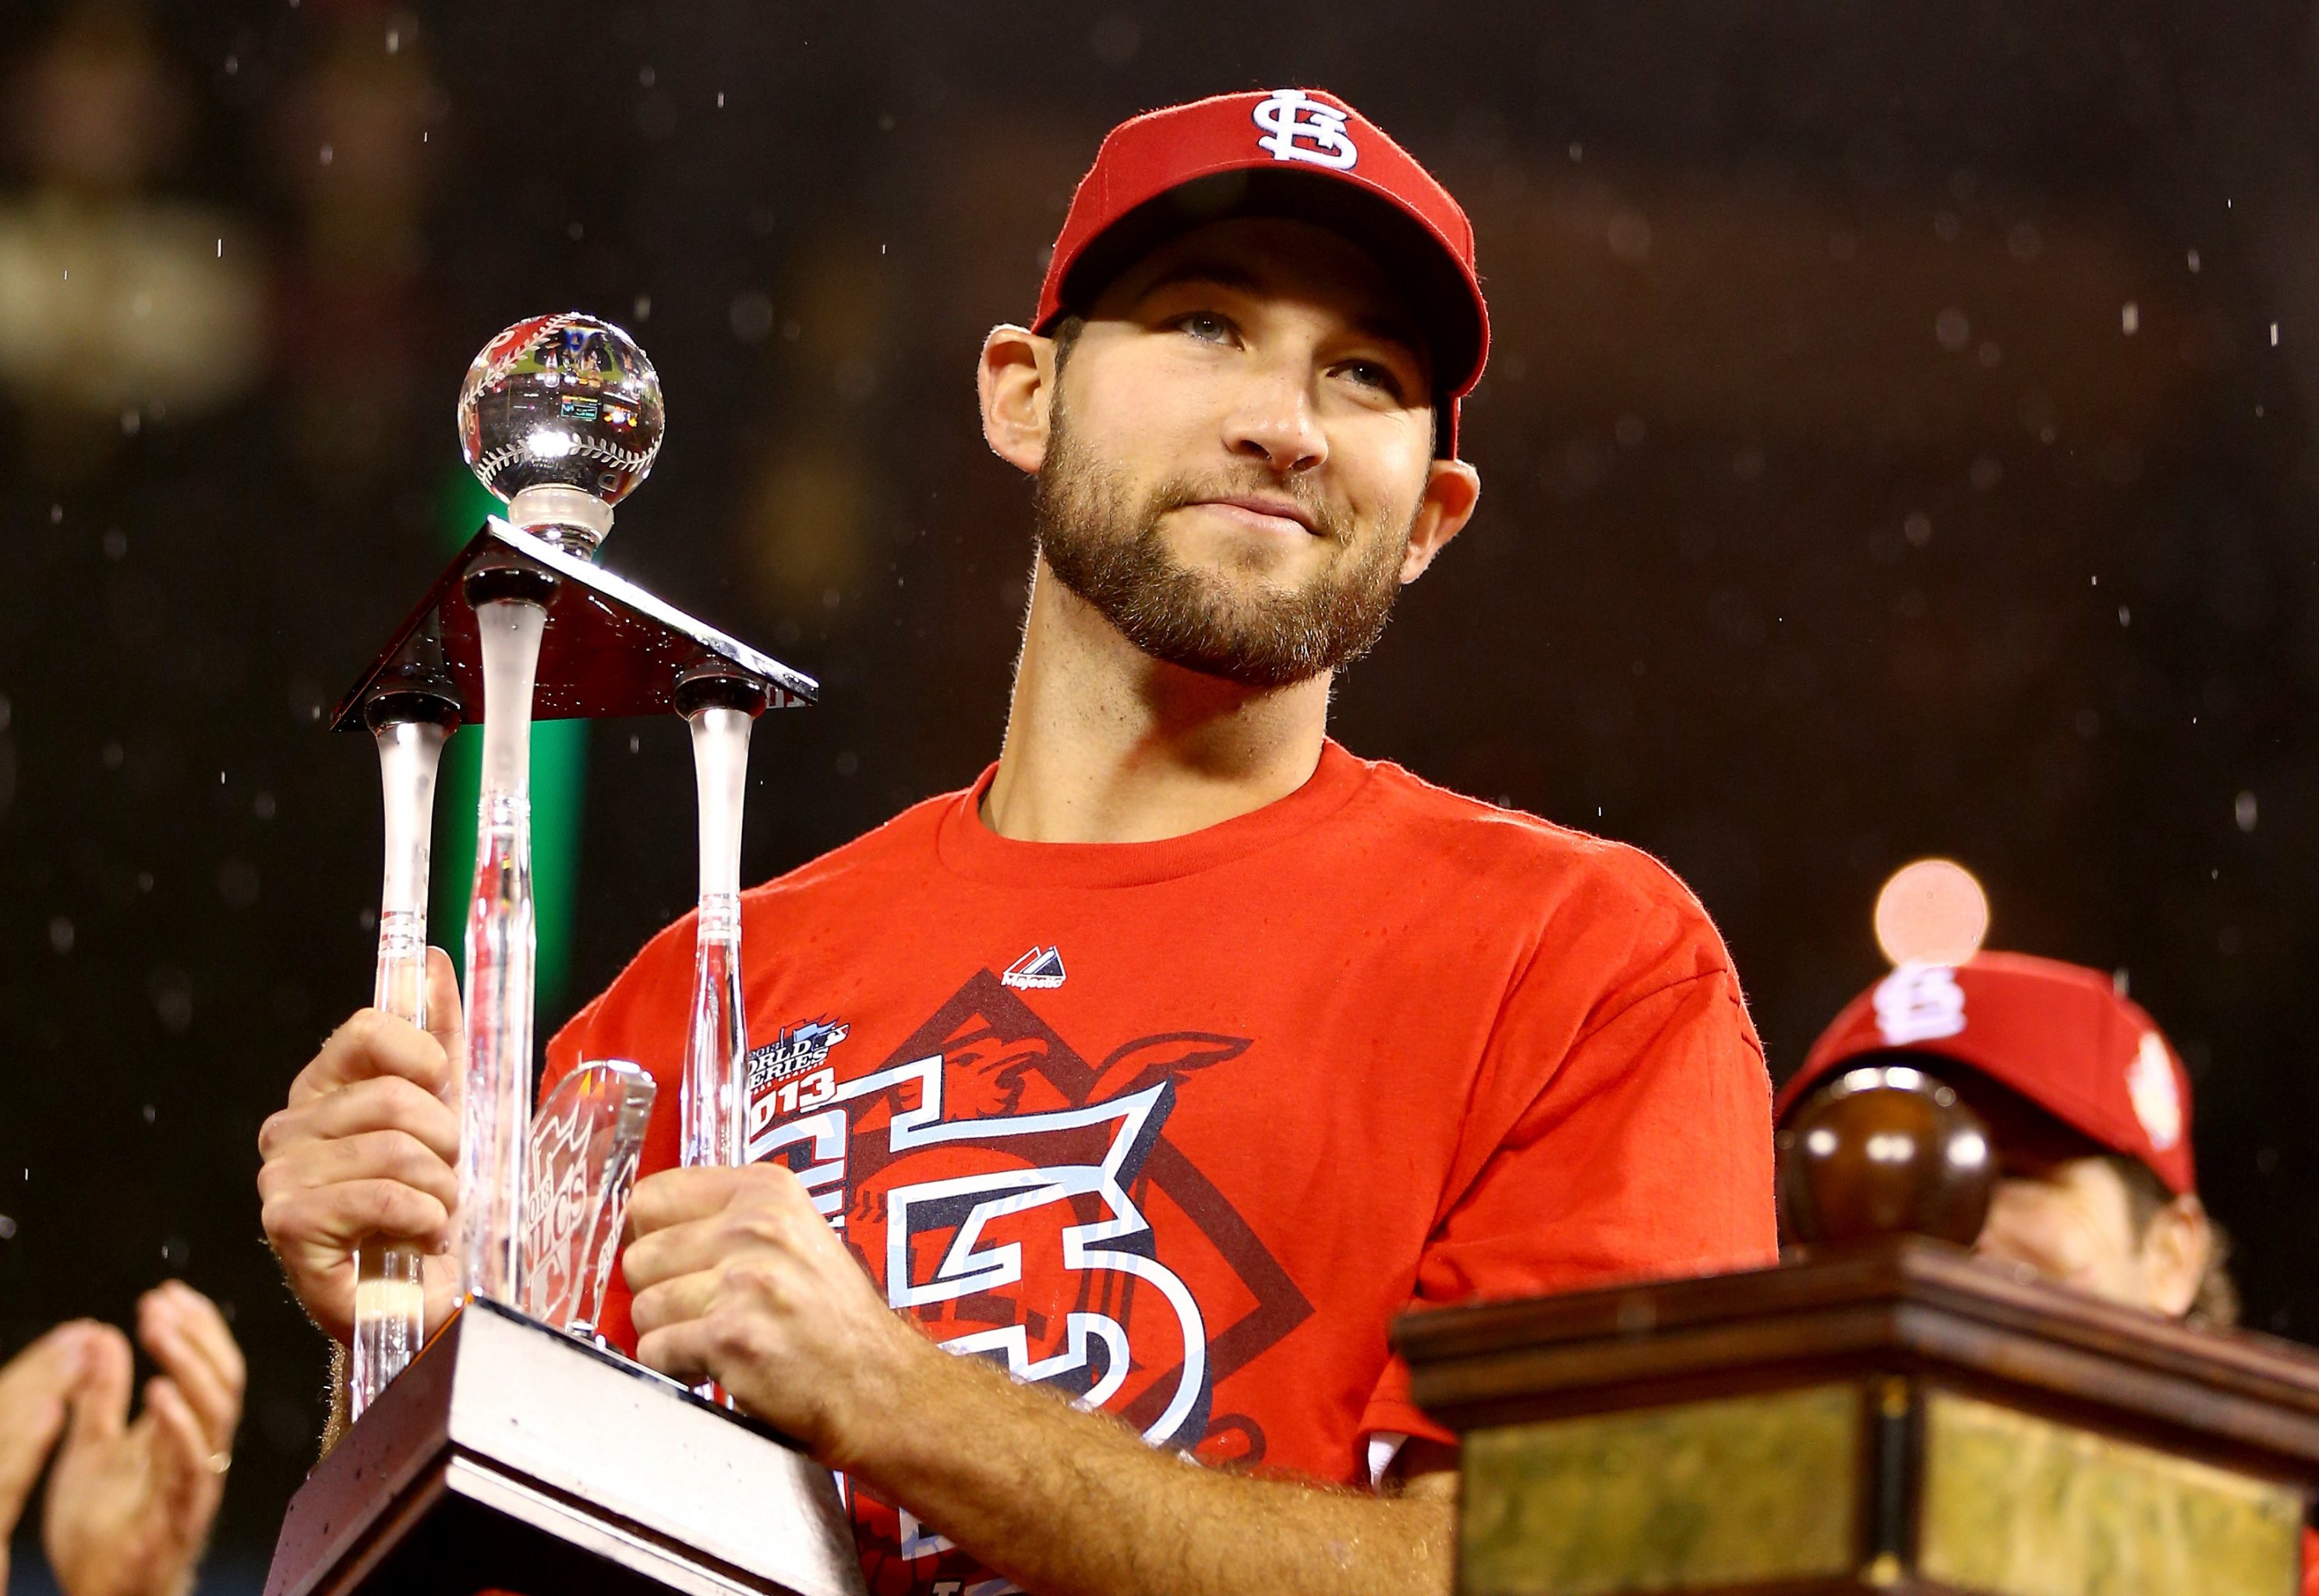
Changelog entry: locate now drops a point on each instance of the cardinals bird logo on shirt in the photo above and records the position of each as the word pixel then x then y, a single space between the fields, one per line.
pixel 1000 1184
pixel 1022 1203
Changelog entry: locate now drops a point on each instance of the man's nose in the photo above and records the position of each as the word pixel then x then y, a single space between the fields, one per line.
pixel 1275 422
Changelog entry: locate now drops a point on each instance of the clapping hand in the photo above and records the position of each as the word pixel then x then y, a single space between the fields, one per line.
pixel 129 1504
pixel 36 1389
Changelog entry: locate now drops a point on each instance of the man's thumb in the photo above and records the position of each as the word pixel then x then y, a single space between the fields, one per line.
pixel 443 1017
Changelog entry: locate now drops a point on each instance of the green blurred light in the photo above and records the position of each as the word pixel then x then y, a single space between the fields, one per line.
pixel 559 779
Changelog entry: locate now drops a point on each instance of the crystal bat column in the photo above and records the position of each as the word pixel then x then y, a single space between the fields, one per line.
pixel 389 1304
pixel 561 417
pixel 721 709
pixel 510 614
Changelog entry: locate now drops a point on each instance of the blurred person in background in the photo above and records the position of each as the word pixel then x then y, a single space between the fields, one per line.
pixel 2087 1109
pixel 129 1503
pixel 117 305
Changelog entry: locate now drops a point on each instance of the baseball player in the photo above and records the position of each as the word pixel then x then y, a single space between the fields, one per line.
pixel 1104 1114
pixel 2089 1111
pixel 2087 1108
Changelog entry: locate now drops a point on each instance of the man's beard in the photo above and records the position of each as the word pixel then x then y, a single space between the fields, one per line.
pixel 1102 540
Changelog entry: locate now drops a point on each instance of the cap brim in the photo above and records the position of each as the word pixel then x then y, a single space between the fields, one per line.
pixel 1440 297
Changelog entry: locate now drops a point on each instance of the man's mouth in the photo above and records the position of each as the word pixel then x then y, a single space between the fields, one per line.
pixel 1268 515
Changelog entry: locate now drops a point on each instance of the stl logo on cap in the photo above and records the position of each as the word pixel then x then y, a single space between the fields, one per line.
pixel 1299 127
pixel 2157 1100
pixel 1919 1003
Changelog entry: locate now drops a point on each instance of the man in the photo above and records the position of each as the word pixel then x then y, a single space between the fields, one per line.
pixel 1169 1062
pixel 2087 1109
pixel 130 1505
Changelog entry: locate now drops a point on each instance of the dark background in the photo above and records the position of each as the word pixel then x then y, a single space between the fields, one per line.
pixel 1838 509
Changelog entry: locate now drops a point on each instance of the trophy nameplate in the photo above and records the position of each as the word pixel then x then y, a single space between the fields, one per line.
pixel 512 1456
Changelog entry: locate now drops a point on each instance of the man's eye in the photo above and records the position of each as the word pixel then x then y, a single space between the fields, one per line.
pixel 1208 326
pixel 1371 375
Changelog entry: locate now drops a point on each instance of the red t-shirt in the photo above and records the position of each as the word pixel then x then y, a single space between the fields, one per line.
pixel 1178 1127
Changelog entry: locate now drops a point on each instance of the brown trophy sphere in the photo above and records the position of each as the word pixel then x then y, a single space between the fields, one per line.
pixel 1883 1150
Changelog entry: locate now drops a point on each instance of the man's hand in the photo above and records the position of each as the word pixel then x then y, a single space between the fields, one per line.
pixel 368 1145
pixel 36 1387
pixel 130 1505
pixel 738 1279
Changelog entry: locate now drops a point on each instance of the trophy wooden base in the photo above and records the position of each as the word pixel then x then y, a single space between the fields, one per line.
pixel 1898 1417
pixel 510 1457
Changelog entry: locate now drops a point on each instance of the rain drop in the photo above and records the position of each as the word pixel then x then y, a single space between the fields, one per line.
pixel 751 314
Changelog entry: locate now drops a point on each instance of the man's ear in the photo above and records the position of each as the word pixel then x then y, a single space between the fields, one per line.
pixel 1452 489
pixel 2175 1251
pixel 1016 379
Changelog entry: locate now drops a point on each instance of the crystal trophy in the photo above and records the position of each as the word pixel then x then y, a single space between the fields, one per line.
pixel 582 1163
pixel 515 1449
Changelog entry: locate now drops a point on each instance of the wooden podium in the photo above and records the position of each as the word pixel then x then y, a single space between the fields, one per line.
pixel 1899 1416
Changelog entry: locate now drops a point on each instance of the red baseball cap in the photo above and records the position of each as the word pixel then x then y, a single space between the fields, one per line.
pixel 1298 153
pixel 2057 1034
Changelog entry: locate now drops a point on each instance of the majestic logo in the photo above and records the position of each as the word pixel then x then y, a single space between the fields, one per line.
pixel 1919 1003
pixel 1036 971
pixel 797 1050
pixel 1299 127
pixel 2157 1100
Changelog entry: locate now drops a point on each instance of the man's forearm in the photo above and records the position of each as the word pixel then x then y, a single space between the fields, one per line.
pixel 1070 1504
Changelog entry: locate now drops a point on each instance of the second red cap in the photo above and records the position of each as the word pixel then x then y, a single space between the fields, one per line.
pixel 2058 1034
pixel 1299 153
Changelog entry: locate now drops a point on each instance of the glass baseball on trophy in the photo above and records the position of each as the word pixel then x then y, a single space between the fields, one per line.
pixel 509 1424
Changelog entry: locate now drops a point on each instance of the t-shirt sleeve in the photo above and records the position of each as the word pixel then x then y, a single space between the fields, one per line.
pixel 1645 1152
